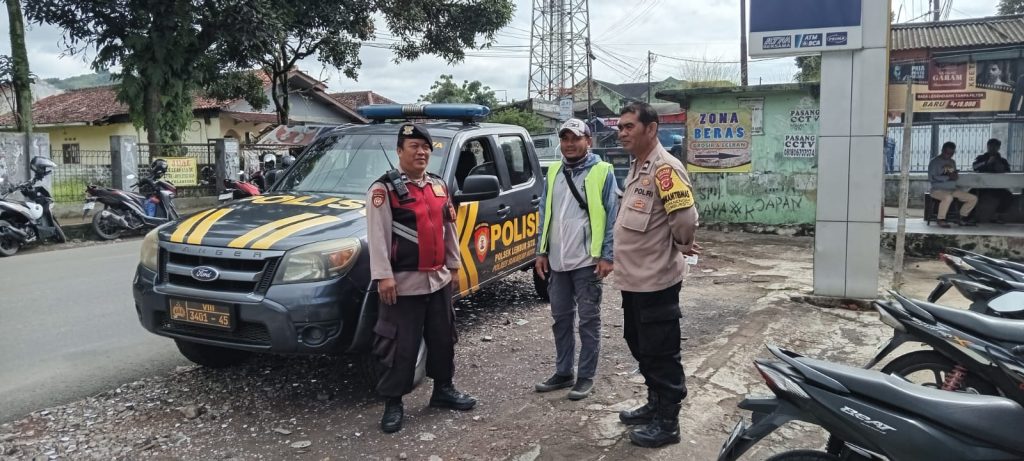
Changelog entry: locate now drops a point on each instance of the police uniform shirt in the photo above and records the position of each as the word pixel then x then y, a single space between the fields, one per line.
pixel 656 214
pixel 408 283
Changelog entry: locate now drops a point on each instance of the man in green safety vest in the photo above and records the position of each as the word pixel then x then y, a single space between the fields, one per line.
pixel 574 254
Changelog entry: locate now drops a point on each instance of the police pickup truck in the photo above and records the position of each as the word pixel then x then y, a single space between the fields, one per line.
pixel 288 272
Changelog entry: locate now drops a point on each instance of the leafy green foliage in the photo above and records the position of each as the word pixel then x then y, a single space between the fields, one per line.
pixel 1011 7
pixel 100 78
pixel 810 69
pixel 513 116
pixel 444 90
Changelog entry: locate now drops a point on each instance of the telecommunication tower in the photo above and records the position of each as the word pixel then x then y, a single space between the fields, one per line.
pixel 559 48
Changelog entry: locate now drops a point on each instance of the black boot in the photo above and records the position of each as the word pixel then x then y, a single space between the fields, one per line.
pixel 643 414
pixel 446 396
pixel 393 413
pixel 662 431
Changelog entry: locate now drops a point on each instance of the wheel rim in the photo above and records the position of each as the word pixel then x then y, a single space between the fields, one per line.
pixel 106 227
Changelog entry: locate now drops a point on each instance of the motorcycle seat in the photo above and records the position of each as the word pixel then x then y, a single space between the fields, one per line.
pixel 996 328
pixel 990 419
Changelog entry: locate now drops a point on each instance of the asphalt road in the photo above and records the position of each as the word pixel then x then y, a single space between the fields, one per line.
pixel 68 328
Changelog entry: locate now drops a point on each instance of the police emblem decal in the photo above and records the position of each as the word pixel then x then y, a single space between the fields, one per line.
pixel 482 241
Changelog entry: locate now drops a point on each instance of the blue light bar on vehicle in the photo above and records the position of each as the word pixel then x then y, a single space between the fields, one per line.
pixel 463 112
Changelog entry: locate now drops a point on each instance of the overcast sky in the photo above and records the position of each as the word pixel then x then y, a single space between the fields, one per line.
pixel 622 34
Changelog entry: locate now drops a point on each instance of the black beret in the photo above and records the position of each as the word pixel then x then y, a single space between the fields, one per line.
pixel 413 131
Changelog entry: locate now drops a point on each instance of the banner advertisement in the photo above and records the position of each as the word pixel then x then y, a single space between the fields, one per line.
pixel 718 142
pixel 182 171
pixel 982 86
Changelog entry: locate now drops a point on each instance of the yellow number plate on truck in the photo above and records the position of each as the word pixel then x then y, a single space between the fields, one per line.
pixel 199 313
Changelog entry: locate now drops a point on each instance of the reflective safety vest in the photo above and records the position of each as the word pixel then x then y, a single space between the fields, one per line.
pixel 593 186
pixel 417 226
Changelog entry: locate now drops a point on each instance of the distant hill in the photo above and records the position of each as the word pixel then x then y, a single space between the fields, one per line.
pixel 81 81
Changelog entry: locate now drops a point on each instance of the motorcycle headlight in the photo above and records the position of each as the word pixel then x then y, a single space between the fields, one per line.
pixel 318 261
pixel 149 256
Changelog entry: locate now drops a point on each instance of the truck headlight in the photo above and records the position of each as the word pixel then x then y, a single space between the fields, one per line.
pixel 318 261
pixel 149 256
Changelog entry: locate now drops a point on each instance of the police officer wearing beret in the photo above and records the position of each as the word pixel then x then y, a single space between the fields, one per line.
pixel 414 253
pixel 653 231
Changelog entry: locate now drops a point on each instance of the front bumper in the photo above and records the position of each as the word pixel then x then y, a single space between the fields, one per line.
pixel 301 318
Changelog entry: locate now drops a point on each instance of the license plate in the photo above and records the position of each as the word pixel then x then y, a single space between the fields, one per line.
pixel 227 196
pixel 199 313
pixel 88 206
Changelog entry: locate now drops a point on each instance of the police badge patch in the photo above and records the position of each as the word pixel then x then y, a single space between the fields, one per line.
pixel 407 130
pixel 377 198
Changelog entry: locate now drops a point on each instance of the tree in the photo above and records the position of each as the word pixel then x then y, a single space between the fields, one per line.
pixel 705 72
pixel 166 49
pixel 444 90
pixel 17 69
pixel 1011 7
pixel 333 32
pixel 810 69
pixel 513 116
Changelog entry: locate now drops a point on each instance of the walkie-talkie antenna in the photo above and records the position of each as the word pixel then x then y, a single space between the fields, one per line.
pixel 392 165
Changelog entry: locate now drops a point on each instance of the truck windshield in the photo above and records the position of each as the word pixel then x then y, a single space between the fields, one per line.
pixel 348 163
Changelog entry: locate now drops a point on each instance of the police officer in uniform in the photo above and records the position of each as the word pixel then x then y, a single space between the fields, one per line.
pixel 656 214
pixel 413 255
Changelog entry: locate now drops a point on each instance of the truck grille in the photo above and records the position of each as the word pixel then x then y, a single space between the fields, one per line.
pixel 245 332
pixel 235 275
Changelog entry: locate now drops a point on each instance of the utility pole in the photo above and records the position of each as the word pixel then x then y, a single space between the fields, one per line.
pixel 590 77
pixel 650 58
pixel 743 42
pixel 901 220
pixel 936 10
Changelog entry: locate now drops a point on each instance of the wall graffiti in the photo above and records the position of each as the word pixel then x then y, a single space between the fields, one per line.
pixel 749 210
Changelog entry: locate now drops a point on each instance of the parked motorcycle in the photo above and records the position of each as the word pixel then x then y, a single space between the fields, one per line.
pixel 998 274
pixel 32 220
pixel 233 189
pixel 127 211
pixel 873 416
pixel 968 350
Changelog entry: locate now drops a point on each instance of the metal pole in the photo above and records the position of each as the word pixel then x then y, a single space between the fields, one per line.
pixel 901 226
pixel 650 57
pixel 936 10
pixel 743 42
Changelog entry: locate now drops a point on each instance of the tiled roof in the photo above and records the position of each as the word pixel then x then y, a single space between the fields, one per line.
pixel 90 105
pixel 990 31
pixel 354 99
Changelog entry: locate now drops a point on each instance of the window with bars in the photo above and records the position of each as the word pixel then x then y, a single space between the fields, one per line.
pixel 72 154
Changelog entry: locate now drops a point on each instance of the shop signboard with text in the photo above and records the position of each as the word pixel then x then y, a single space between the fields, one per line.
pixel 977 86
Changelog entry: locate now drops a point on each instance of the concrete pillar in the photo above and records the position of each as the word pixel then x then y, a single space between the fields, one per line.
pixel 124 161
pixel 226 153
pixel 13 163
pixel 850 163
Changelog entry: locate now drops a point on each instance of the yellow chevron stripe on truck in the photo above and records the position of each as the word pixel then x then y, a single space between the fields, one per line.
pixel 283 233
pixel 179 234
pixel 258 232
pixel 469 279
pixel 196 237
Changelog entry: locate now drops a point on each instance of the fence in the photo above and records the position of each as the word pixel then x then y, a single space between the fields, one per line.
pixel 205 155
pixel 77 169
pixel 970 139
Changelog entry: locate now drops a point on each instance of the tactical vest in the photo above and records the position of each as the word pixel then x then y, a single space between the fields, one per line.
pixel 417 226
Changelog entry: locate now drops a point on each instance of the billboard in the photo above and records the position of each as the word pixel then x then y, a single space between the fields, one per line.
pixel 979 86
pixel 719 141
pixel 792 27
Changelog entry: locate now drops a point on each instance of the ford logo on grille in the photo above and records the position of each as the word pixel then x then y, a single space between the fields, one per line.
pixel 205 274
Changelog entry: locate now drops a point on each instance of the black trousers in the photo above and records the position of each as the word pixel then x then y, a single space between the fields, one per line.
pixel 651 329
pixel 399 329
pixel 1003 198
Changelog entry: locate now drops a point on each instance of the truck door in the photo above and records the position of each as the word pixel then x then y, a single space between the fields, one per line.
pixel 474 220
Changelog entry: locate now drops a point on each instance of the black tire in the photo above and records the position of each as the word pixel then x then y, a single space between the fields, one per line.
pixel 372 370
pixel 105 229
pixel 8 246
pixel 803 455
pixel 540 285
pixel 912 364
pixel 211 356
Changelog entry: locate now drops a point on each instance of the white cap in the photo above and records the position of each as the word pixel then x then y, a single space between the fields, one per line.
pixel 577 126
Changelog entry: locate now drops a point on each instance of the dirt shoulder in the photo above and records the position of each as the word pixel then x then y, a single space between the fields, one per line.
pixel 738 298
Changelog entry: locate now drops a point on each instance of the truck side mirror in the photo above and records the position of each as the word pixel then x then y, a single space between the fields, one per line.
pixel 478 187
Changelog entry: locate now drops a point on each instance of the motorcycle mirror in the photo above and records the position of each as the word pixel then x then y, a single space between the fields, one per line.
pixel 131 176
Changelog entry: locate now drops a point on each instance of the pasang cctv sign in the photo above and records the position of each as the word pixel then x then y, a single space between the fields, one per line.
pixel 793 27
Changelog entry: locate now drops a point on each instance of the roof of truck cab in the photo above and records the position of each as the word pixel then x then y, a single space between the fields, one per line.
pixel 441 129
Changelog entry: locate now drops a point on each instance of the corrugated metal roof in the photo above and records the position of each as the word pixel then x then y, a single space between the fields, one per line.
pixel 990 31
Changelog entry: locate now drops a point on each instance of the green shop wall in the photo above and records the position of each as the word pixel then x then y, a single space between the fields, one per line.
pixel 781 189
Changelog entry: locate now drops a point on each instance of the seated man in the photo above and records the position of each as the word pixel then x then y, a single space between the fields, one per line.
pixel 943 175
pixel 993 162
